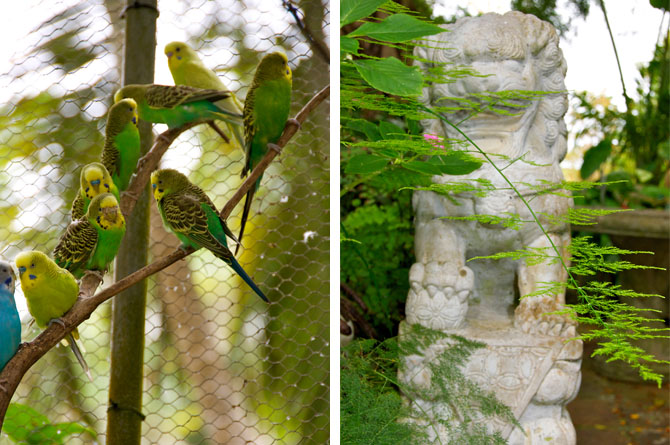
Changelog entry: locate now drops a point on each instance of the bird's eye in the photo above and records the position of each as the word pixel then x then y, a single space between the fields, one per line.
pixel 32 265
pixel 178 49
pixel 160 190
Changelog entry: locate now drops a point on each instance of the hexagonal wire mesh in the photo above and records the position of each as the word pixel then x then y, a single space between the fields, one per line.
pixel 221 366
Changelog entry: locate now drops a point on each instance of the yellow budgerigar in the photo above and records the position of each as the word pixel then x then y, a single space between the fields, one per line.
pixel 50 292
pixel 187 69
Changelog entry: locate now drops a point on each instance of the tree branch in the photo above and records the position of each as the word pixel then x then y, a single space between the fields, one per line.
pixel 30 352
pixel 318 46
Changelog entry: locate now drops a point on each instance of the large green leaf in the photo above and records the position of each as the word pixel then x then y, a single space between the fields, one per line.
pixel 23 424
pixel 397 28
pixel 456 162
pixel 348 45
pixel 595 156
pixel 352 10
pixel 391 76
pixel 450 163
pixel 365 163
pixel 391 131
pixel 366 127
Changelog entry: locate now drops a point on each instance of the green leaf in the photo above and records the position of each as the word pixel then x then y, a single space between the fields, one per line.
pixel 397 28
pixel 348 45
pixel 23 424
pixel 414 127
pixel 352 10
pixel 366 127
pixel 422 167
pixel 57 433
pixel 367 163
pixel 660 4
pixel 450 163
pixel 390 131
pixel 595 156
pixel 391 76
pixel 455 163
pixel 21 420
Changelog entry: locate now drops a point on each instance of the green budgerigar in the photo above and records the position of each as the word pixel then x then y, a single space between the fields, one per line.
pixel 92 242
pixel 266 110
pixel 50 292
pixel 189 213
pixel 177 105
pixel 94 180
pixel 122 142
pixel 187 69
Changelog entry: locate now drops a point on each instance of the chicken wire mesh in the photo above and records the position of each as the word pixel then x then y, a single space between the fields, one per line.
pixel 220 366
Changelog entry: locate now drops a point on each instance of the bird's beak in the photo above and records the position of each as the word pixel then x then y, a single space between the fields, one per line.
pixel 169 54
pixel 22 269
pixel 96 185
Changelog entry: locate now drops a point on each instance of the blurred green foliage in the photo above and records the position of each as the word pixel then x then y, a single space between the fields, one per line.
pixel 634 145
pixel 27 426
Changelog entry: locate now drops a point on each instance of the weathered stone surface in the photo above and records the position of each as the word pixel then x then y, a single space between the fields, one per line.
pixel 527 361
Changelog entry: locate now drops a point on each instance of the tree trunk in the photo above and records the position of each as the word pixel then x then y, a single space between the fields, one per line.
pixel 124 423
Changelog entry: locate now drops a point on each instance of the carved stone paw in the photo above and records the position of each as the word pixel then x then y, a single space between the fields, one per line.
pixel 534 316
pixel 438 296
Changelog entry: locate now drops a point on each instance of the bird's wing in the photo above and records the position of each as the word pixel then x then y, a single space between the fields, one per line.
pixel 165 96
pixel 185 215
pixel 76 245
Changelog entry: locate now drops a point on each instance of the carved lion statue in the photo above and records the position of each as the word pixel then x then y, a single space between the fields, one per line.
pixel 526 139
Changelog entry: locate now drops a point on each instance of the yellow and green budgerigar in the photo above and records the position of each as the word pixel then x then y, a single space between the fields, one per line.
pixel 92 242
pixel 187 69
pixel 50 292
pixel 94 180
pixel 189 213
pixel 266 110
pixel 122 142
pixel 177 105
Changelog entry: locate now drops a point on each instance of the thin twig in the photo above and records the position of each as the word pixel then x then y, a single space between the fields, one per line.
pixel 318 46
pixel 30 352
pixel 616 56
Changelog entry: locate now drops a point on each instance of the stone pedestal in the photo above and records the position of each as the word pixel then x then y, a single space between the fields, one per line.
pixel 534 375
pixel 529 361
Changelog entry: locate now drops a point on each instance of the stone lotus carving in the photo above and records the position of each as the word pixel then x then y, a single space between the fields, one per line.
pixel 526 362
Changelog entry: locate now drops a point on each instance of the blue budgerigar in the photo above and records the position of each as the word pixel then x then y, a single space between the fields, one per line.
pixel 10 323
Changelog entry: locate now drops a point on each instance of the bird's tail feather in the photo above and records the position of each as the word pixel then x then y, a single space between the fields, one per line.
pixel 235 129
pixel 247 279
pixel 80 357
pixel 226 116
pixel 245 215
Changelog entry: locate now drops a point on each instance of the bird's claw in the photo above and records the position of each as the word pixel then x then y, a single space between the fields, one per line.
pixel 56 320
pixel 2 385
pixel 274 147
pixel 162 137
pixel 96 273
pixel 295 122
pixel 142 160
pixel 131 195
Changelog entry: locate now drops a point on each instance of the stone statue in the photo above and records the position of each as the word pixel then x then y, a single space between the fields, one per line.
pixel 527 362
